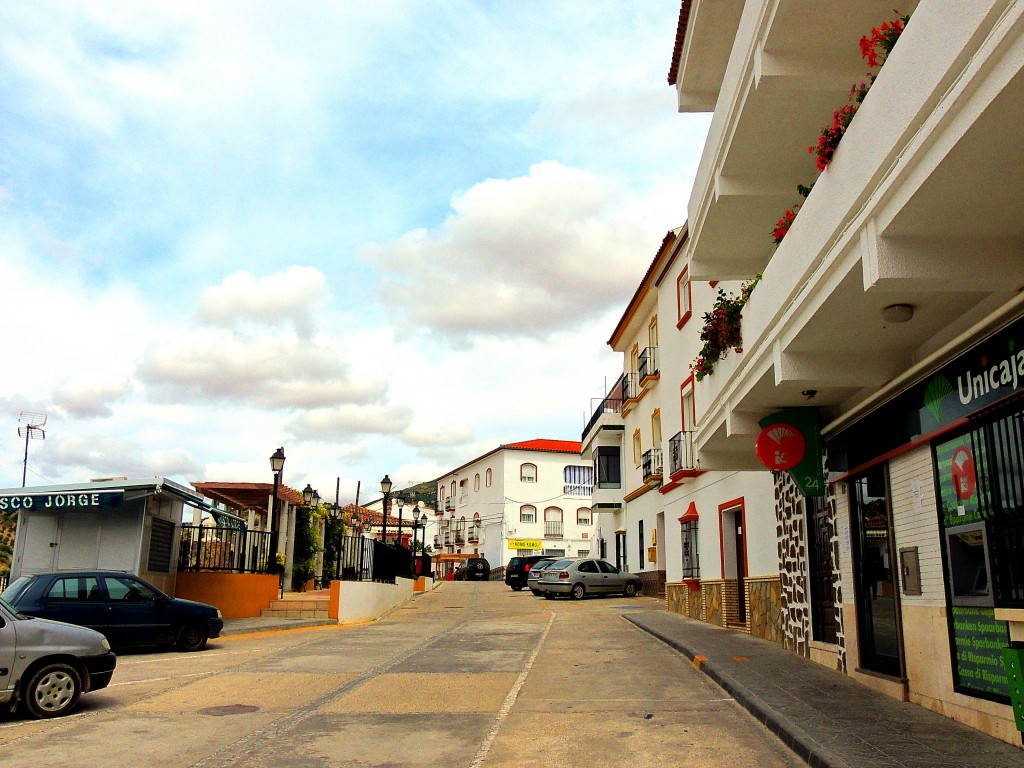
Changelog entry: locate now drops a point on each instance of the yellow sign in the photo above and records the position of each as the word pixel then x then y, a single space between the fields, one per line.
pixel 525 543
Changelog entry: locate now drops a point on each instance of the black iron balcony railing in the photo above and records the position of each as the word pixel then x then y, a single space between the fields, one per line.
pixel 553 529
pixel 648 365
pixel 474 534
pixel 449 503
pixel 630 390
pixel 681 453
pixel 608 405
pixel 652 465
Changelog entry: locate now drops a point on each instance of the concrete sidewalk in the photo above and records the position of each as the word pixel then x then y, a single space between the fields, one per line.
pixel 270 624
pixel 826 717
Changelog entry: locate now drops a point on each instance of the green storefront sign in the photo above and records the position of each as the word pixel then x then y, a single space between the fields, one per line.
pixel 61 501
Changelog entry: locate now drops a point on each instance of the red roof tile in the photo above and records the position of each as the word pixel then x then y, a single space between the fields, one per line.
pixel 684 20
pixel 541 444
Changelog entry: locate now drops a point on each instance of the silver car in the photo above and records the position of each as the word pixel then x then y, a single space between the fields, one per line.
pixel 536 570
pixel 46 665
pixel 578 578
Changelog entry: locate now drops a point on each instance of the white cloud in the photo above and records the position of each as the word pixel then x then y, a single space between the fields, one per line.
pixel 87 456
pixel 286 297
pixel 521 257
pixel 90 397
pixel 437 437
pixel 279 371
pixel 347 421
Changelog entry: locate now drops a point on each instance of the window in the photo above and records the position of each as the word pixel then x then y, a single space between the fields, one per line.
pixel 476 482
pixel 583 516
pixel 684 298
pixel 656 428
pixel 638 450
pixel 487 479
pixel 587 566
pixel 652 332
pixel 453 490
pixel 606 567
pixel 634 359
pixel 75 588
pixel 688 538
pixel 528 473
pixel 689 414
pixel 578 480
pixel 582 552
pixel 608 466
pixel 128 590
pixel 527 514
pixel 553 523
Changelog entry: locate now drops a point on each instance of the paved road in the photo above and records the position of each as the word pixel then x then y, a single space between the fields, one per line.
pixel 471 674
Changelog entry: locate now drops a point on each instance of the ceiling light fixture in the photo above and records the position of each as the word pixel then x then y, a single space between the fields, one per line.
pixel 898 313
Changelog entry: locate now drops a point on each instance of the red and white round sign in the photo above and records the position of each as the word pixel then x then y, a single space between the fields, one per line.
pixel 780 446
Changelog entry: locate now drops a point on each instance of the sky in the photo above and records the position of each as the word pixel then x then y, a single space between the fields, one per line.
pixel 385 236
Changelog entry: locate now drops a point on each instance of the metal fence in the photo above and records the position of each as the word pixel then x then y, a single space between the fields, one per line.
pixel 361 559
pixel 204 548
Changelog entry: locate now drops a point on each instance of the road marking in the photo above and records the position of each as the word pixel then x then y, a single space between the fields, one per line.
pixel 513 694
pixel 156 679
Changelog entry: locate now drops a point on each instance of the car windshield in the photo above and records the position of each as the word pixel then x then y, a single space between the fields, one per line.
pixel 11 609
pixel 15 588
pixel 559 564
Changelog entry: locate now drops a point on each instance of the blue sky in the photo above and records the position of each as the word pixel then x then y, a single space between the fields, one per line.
pixel 388 236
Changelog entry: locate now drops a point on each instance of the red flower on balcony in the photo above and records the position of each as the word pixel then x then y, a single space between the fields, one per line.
pixel 783 224
pixel 879 45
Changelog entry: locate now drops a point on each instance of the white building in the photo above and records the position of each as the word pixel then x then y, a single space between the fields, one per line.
pixel 522 498
pixel 704 538
pixel 893 307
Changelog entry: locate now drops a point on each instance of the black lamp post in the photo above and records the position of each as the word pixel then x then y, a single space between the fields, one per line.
pixel 423 536
pixel 401 506
pixel 385 488
pixel 277 467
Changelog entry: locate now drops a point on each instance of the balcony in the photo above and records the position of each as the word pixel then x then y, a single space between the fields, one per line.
pixel 630 390
pixel 439 509
pixel 578 491
pixel 474 534
pixel 449 503
pixel 460 538
pixel 652 466
pixel 553 529
pixel 437 542
pixel 447 539
pixel 647 368
pixel 682 456
pixel 609 408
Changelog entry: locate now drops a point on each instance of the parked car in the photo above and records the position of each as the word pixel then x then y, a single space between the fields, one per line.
pixel 474 569
pixel 518 570
pixel 45 666
pixel 537 571
pixel 127 610
pixel 586 576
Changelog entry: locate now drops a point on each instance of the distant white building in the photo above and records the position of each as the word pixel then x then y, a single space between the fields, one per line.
pixel 522 498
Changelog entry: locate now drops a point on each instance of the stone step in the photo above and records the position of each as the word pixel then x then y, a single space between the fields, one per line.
pixel 299 604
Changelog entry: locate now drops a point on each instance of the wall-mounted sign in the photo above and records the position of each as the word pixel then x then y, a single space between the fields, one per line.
pixel 525 543
pixel 54 501
pixel 780 446
pixel 790 441
pixel 965 478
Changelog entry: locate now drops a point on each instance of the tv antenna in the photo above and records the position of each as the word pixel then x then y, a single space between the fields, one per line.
pixel 32 430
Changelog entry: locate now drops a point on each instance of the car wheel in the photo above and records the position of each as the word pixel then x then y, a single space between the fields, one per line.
pixel 192 637
pixel 536 592
pixel 516 587
pixel 549 596
pixel 578 592
pixel 630 590
pixel 53 690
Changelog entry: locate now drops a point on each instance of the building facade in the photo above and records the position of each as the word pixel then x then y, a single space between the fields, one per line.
pixel 888 309
pixel 531 497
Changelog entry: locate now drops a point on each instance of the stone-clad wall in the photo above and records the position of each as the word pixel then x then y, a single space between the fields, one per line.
pixel 795 568
pixel 764 607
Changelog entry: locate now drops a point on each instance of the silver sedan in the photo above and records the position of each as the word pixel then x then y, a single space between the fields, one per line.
pixel 586 576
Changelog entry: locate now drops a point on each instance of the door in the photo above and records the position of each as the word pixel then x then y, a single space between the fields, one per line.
pixel 39 543
pixel 591 576
pixel 878 620
pixel 79 540
pixel 137 614
pixel 614 580
pixel 734 552
pixel 8 644
pixel 819 534
pixel 76 599
pixel 620 550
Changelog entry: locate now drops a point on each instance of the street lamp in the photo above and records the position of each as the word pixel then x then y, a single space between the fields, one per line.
pixel 385 488
pixel 277 467
pixel 423 536
pixel 401 506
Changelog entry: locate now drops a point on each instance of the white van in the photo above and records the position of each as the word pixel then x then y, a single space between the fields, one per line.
pixel 46 665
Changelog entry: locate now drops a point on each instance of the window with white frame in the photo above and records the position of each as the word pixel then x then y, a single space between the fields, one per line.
pixel 528 473
pixel 527 514
pixel 583 516
pixel 553 523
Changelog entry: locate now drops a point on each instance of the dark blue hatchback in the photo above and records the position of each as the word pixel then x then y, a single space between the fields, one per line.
pixel 130 612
